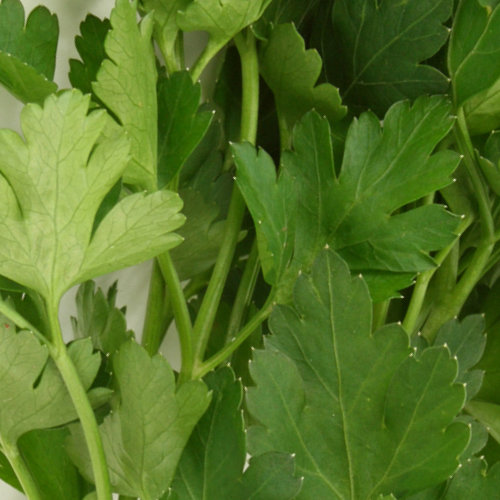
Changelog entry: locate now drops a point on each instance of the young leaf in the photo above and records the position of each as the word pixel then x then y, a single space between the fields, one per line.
pixel 25 405
pixel 90 46
pixel 126 84
pixel 473 480
pixel 466 340
pixel 291 72
pixel 181 124
pixel 382 171
pixel 212 463
pixel 473 52
pixel 379 48
pixel 361 413
pixel 99 318
pixel 54 183
pixel 222 19
pixel 166 28
pixel 27 53
pixel 144 437
pixel 488 414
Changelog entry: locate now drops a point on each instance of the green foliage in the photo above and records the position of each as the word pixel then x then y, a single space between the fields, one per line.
pixel 27 53
pixel 366 416
pixel 344 262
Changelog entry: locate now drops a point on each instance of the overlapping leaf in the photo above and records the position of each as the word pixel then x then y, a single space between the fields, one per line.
pixel 382 170
pixel 166 28
pixel 99 318
pixel 222 19
pixel 291 72
pixel 181 124
pixel 27 53
pixel 144 437
pixel 90 46
pixel 126 84
pixel 362 414
pixel 472 60
pixel 211 467
pixel 32 393
pixel 52 186
pixel 380 45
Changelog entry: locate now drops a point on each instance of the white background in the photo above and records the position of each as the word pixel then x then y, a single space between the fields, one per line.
pixel 133 283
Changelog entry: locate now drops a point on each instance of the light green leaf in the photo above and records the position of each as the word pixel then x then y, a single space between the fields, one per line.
pixel 466 340
pixel 99 318
pixel 222 19
pixel 59 177
pixel 144 436
pixel 473 52
pixel 126 84
pixel 291 72
pixel 166 28
pixel 363 415
pixel 379 47
pixel 211 466
pixel 488 414
pixel 90 46
pixel 382 171
pixel 27 53
pixel 473 480
pixel 181 124
pixel 25 405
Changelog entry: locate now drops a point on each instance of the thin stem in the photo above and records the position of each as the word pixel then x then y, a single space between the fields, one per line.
pixel 245 291
pixel 204 59
pixel 181 314
pixel 211 363
pixel 21 470
pixel 380 311
pixel 82 405
pixel 154 320
pixel 423 280
pixel 285 136
pixel 10 313
pixel 249 119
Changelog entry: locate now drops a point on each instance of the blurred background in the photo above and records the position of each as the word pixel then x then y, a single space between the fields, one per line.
pixel 133 283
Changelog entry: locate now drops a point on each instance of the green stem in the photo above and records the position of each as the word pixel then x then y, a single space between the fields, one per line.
pixel 380 311
pixel 203 368
pixel 181 314
pixel 245 291
pixel 82 405
pixel 285 136
pixel 204 59
pixel 419 291
pixel 249 119
pixel 154 320
pixel 10 313
pixel 21 470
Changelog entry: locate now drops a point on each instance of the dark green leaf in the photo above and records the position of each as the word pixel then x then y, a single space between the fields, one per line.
pixel 363 415
pixel 291 72
pixel 144 437
pixel 27 53
pixel 473 52
pixel 99 318
pixel 473 480
pixel 181 124
pixel 379 48
pixel 90 46
pixel 382 170
pixel 466 340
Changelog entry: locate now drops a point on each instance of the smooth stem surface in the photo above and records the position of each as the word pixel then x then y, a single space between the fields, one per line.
pixel 181 314
pixel 21 470
pixel 212 363
pixel 249 119
pixel 245 291
pixel 154 319
pixel 82 405
pixel 21 322
pixel 202 62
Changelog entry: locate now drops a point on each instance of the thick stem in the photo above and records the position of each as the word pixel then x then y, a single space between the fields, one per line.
pixel 82 405
pixel 249 119
pixel 154 320
pixel 181 314
pixel 21 470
